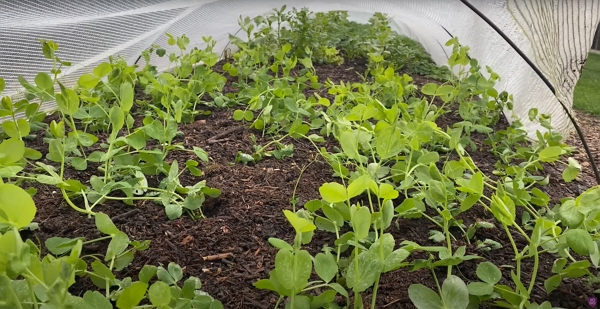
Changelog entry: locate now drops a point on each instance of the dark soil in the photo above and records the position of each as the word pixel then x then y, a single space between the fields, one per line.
pixel 250 211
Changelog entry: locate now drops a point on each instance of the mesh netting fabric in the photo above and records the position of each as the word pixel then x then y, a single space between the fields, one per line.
pixel 555 34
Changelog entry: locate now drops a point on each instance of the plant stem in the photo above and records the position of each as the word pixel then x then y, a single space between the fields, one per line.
pixel 278 302
pixel 432 220
pixel 150 198
pixel 437 283
pixel 315 287
pixel 381 257
pixel 32 295
pixel 68 200
pixel 298 182
pixel 96 240
pixel 517 255
pixel 536 263
pixel 76 135
pixel 449 244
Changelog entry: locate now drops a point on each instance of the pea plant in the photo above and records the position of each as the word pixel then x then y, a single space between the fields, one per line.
pixel 391 159
pixel 128 156
pixel 29 281
pixel 394 163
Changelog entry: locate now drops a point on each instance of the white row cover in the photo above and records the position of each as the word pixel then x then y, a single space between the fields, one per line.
pixel 555 34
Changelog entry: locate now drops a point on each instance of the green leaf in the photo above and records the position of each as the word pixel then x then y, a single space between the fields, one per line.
pixel 550 154
pixel 361 223
pixel 428 158
pixel 103 274
pixel 503 209
pixel 17 208
pixel 333 192
pixel 137 140
pixel 105 225
pixel 60 245
pixel 32 154
pixel 298 129
pixel 131 296
pixel 488 273
pixel 326 266
pixel 117 119
pixel 175 271
pixel 72 102
pixel 349 145
pixel 313 205
pixel 11 151
pixel 95 300
pixel 189 286
pixel 455 294
pixel 56 151
pixel 123 260
pixel 301 225
pixel 24 127
pixel 424 297
pixel 480 288
pixel 580 241
pixel 79 164
pixel 429 89
pixel 476 183
pixel 359 185
pixel 2 84
pixel 369 267
pixel 164 276
pixel 10 300
pixel 280 244
pixel 248 115
pixel 589 200
pixel 387 191
pixel 201 154
pixel 532 114
pixel 147 273
pixel 238 115
pixel 173 211
pixel 552 283
pixel 394 260
pixel 389 142
pixel 293 275
pixel 159 294
pixel 88 81
pixel 10 128
pixel 333 215
pixel 103 69
pixel 117 245
pixel 6 103
pixel 559 265
pixel 126 96
pixel 468 202
pixel 570 173
pixel 44 82
pixel 570 215
pixel 316 138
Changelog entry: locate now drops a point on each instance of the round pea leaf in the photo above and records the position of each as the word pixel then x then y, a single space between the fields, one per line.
pixel 16 206
pixel 160 294
pixel 489 273
pixel 580 241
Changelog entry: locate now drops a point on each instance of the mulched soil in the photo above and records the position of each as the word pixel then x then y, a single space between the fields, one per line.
pixel 590 127
pixel 250 211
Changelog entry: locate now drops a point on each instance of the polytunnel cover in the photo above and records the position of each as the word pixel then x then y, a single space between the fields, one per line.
pixel 555 35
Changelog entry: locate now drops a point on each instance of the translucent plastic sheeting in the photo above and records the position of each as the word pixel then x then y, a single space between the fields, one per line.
pixel 555 34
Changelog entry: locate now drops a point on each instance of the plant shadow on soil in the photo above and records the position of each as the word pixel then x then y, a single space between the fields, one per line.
pixel 249 212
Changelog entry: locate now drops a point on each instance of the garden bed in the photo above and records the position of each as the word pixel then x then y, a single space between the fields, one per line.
pixel 234 236
pixel 342 171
